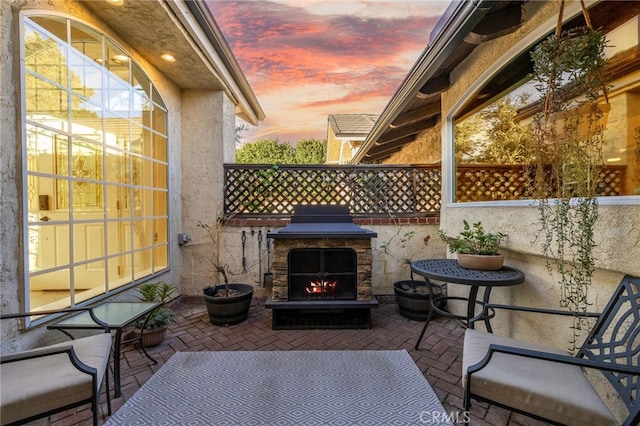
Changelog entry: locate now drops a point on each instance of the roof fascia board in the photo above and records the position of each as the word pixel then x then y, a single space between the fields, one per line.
pixel 457 22
pixel 197 19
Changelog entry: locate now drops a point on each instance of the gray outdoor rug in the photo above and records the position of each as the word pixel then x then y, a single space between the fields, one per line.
pixel 285 388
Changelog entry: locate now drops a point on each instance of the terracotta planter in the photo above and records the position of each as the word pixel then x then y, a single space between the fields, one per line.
pixel 481 261
pixel 153 337
pixel 228 310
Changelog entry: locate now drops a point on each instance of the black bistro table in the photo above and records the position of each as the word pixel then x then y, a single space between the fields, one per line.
pixel 448 270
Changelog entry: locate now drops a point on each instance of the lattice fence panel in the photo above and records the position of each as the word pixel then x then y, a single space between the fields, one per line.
pixel 255 190
pixel 383 190
pixel 428 188
pixel 490 183
pixel 612 181
pixel 475 183
pixel 367 190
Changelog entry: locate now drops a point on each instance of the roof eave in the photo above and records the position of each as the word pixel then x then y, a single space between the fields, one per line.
pixel 186 29
pixel 237 85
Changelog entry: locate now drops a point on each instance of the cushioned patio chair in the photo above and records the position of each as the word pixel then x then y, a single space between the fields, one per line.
pixel 549 384
pixel 43 381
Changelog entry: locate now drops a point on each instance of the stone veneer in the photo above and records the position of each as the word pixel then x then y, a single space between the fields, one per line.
pixel 281 248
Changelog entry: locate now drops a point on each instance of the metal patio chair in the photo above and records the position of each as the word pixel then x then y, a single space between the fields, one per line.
pixel 550 384
pixel 47 380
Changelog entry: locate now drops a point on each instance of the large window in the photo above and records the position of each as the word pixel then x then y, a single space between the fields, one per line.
pixel 96 171
pixel 492 129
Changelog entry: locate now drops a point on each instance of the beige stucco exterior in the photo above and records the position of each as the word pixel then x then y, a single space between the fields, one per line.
pixel 201 131
pixel 334 148
pixel 617 234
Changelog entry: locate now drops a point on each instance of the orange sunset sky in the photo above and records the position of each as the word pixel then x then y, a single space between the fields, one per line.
pixel 306 59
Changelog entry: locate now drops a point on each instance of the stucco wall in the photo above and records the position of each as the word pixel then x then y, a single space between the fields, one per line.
pixel 10 244
pixel 391 265
pixel 204 153
pixel 426 149
pixel 617 233
pixel 215 117
pixel 388 267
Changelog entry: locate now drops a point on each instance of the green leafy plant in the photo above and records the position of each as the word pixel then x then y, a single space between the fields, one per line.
pixel 570 72
pixel 473 240
pixel 161 292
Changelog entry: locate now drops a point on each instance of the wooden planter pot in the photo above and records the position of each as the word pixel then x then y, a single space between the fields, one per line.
pixel 228 310
pixel 414 303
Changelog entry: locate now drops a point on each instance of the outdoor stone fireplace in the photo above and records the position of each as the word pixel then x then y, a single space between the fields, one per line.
pixel 322 266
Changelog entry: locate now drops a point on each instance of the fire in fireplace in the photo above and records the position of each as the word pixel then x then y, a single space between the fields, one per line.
pixel 321 287
pixel 317 273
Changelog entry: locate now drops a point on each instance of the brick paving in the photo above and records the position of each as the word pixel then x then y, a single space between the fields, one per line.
pixel 439 357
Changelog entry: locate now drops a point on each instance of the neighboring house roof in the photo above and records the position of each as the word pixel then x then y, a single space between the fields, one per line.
pixel 415 107
pixel 352 125
pixel 188 30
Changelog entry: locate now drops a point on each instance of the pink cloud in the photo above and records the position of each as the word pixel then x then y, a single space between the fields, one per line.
pixel 322 63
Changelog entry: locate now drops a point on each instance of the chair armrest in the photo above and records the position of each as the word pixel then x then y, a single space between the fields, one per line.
pixel 50 351
pixel 76 309
pixel 543 311
pixel 552 357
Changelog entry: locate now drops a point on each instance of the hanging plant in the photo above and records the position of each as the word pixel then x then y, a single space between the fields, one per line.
pixel 569 70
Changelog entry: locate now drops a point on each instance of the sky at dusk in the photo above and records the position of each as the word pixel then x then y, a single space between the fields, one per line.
pixel 306 59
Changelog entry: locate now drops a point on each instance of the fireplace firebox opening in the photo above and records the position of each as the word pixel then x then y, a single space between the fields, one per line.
pixel 322 266
pixel 322 273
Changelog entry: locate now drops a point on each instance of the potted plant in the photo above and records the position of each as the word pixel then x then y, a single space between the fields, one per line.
pixel 476 248
pixel 227 303
pixel 412 297
pixel 155 325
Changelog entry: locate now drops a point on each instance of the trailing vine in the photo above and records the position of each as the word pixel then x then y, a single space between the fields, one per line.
pixel 567 156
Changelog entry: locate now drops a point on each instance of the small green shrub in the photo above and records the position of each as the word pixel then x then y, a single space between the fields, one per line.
pixel 474 240
pixel 156 292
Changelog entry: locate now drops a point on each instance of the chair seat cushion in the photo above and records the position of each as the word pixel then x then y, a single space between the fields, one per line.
pixel 38 385
pixel 547 389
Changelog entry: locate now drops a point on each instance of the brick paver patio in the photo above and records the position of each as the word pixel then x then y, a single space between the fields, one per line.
pixel 439 357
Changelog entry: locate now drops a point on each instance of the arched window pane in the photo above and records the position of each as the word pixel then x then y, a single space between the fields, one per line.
pixel 96 158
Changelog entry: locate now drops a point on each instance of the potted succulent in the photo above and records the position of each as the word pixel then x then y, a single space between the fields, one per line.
pixel 476 248
pixel 227 304
pixel 155 326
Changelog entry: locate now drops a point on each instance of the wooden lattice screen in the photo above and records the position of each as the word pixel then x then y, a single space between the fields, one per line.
pixel 259 190
pixel 504 182
pixel 376 190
